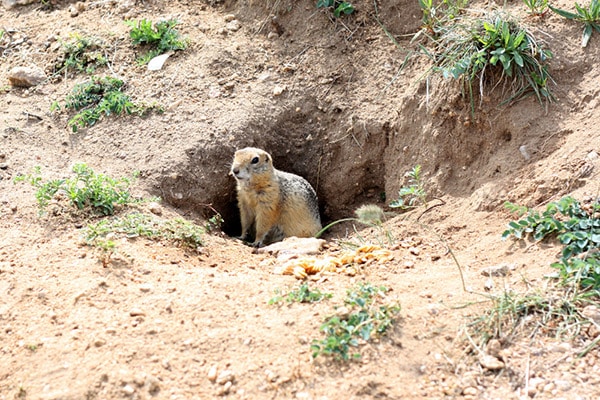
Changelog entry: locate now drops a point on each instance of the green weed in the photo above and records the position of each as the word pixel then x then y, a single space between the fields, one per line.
pixel 339 7
pixel 438 13
pixel 590 17
pixel 99 97
pixel 302 294
pixel 86 189
pixel 136 224
pixel 369 315
pixel 494 50
pixel 537 8
pixel 578 230
pixel 81 54
pixel 414 194
pixel 161 37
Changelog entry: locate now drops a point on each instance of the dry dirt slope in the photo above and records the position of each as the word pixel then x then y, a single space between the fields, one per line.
pixel 158 319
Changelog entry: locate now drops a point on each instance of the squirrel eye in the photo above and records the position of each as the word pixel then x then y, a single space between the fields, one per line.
pixel 254 160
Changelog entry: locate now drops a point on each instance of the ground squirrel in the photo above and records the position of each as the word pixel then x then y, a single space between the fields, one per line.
pixel 273 204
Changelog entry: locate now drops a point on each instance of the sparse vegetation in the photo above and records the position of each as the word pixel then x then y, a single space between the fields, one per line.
pixel 537 8
pixel 495 51
pixel 160 37
pixel 138 224
pixel 338 7
pixel 577 227
pixel 367 313
pixel 86 190
pixel 99 97
pixel 302 294
pixel 589 16
pixel 438 13
pixel 80 54
pixel 412 195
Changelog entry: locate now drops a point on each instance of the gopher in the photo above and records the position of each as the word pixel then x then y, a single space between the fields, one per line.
pixel 273 204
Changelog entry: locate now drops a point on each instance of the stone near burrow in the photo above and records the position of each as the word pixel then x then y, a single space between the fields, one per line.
pixel 8 4
pixel 491 363
pixel 293 246
pixel 225 376
pixel 26 76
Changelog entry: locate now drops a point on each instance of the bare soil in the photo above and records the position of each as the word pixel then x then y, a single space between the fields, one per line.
pixel 331 100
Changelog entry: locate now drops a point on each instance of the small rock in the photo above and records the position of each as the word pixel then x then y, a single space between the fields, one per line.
pixel 592 156
pixel 224 377
pixel 145 288
pixel 497 270
pixel 414 251
pixel 278 90
pixel 136 312
pixel 233 26
pixel 155 208
pixel 409 264
pixel 99 342
pixel 494 347
pixel 152 385
pixel 272 35
pixel 592 313
pixel 128 390
pixel 563 385
pixel 229 17
pixel 470 391
pixel 26 76
pixel 524 152
pixel 561 348
pixel 225 389
pixel 293 246
pixel 73 11
pixel 3 166
pixel 212 373
pixel 490 362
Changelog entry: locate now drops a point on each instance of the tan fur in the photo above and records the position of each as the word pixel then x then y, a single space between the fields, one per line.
pixel 273 204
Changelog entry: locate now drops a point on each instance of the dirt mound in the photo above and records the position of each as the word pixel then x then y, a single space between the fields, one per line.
pixel 334 100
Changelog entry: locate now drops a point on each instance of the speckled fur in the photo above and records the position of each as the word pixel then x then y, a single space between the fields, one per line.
pixel 273 204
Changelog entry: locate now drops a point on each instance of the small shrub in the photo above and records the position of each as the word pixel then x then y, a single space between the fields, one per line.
pixel 99 97
pixel 494 50
pixel 86 189
pixel 589 16
pixel 537 8
pixel 136 224
pixel 161 37
pixel 369 316
pixel 302 294
pixel 577 228
pixel 81 54
pixel 339 7
pixel 412 195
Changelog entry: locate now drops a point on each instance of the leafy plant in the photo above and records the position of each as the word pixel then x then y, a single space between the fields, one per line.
pixel 369 315
pixel 438 13
pixel 81 53
pixel 302 294
pixel 161 37
pixel 577 228
pixel 96 98
pixel 537 8
pixel 412 195
pixel 494 49
pixel 86 189
pixel 589 16
pixel 136 224
pixel 339 7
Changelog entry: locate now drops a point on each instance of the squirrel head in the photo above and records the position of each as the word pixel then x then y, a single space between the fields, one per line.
pixel 249 162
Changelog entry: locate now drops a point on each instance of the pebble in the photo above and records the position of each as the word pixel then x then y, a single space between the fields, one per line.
pixel 229 17
pixel 225 389
pixel 278 90
pixel 128 390
pixel 592 312
pixel 470 391
pixel 225 376
pixel 26 76
pixel 490 362
pixel 155 208
pixel 592 155
pixel 233 26
pixel 136 312
pixel 494 347
pixel 212 373
pixel 414 251
pixel 145 288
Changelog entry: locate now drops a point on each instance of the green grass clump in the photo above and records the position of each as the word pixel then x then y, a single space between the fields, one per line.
pixel 302 294
pixel 339 7
pixel 98 97
pixel 537 8
pixel 80 54
pixel 86 190
pixel 160 37
pixel 136 224
pixel 589 16
pixel 496 51
pixel 578 230
pixel 369 315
